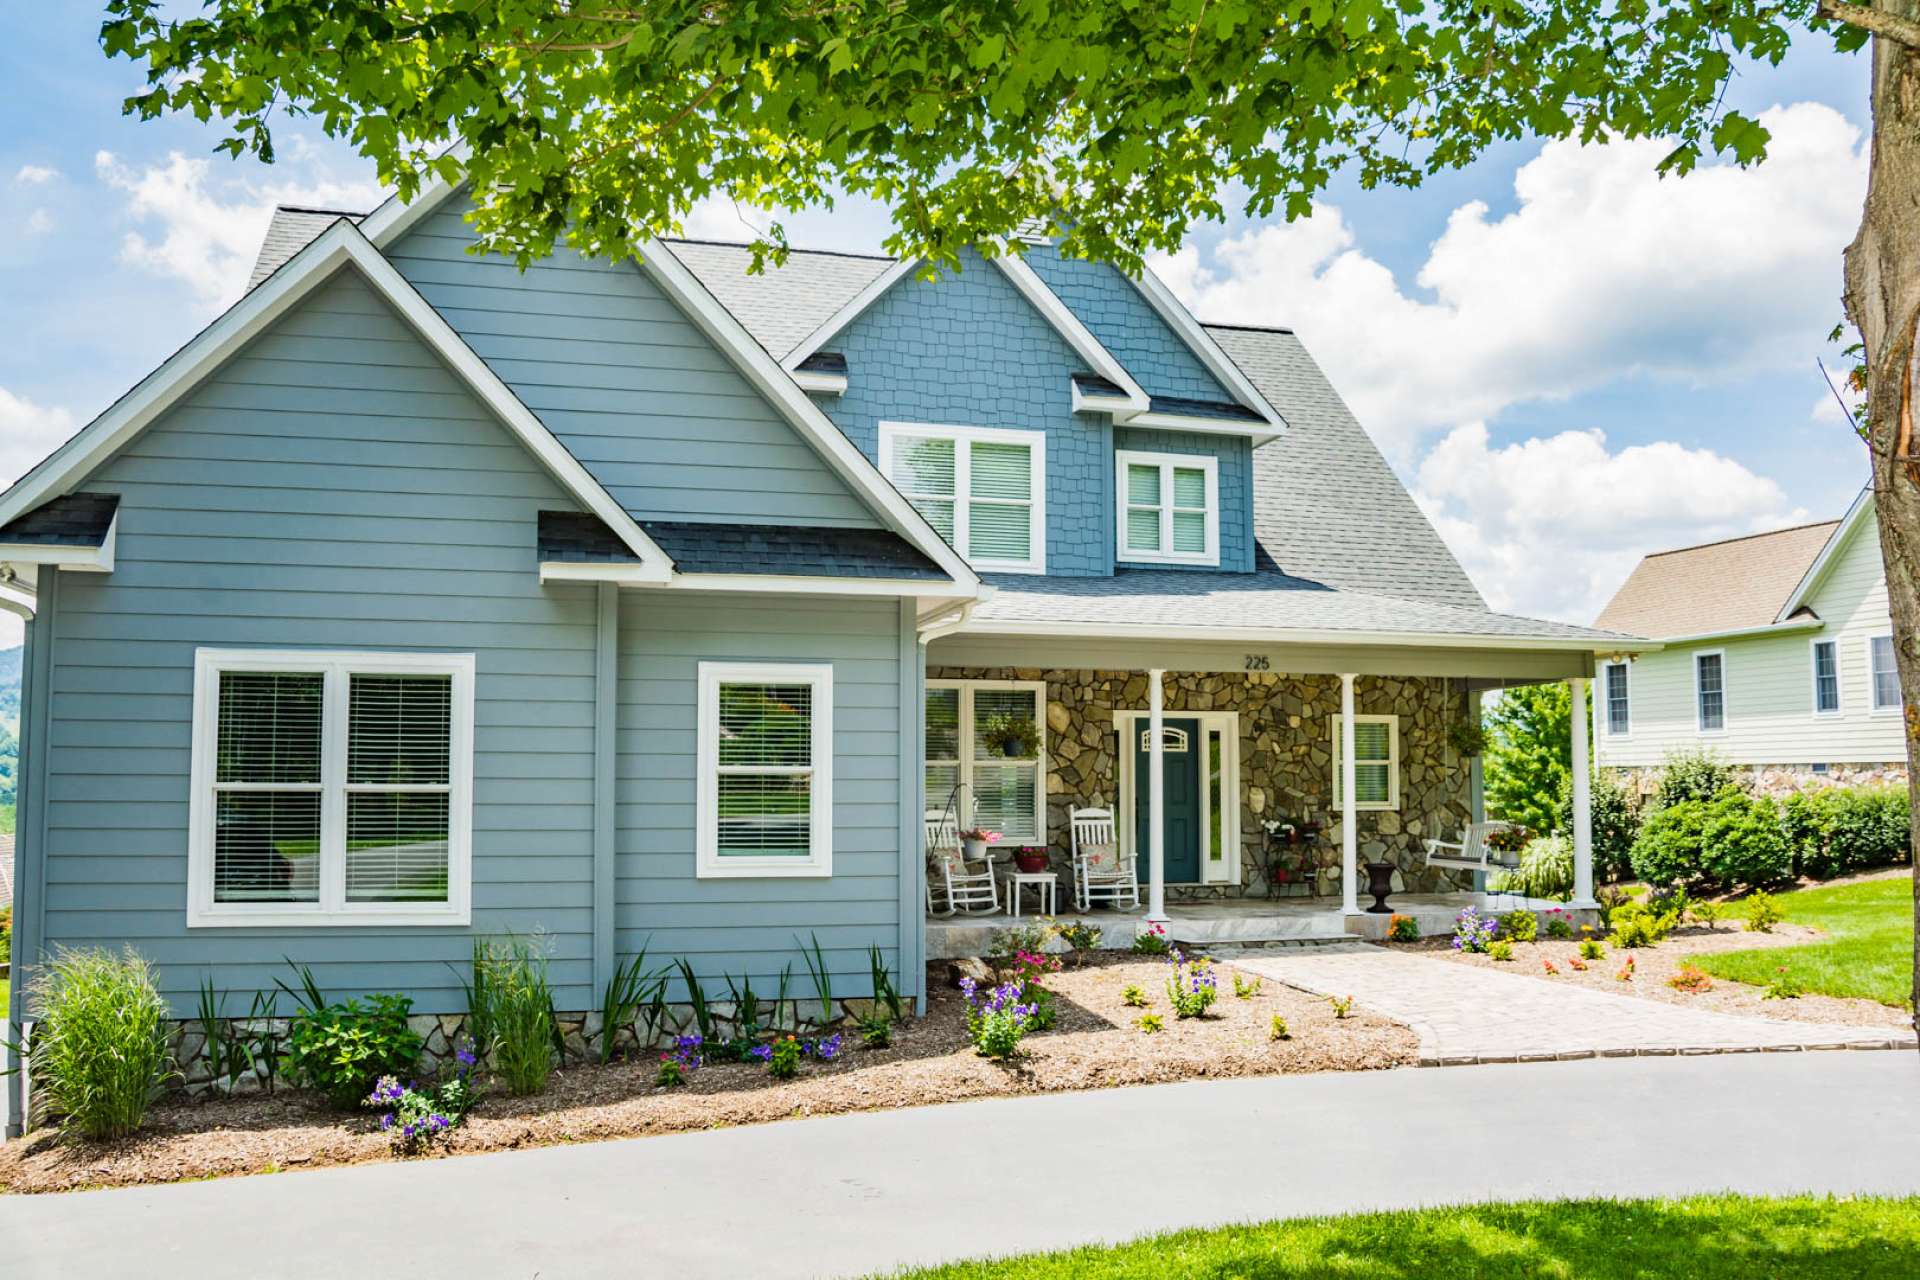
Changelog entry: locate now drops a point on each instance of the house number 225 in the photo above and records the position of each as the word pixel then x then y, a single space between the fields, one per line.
pixel 1256 662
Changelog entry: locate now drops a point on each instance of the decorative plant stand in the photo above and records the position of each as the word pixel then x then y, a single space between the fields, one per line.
pixel 1287 860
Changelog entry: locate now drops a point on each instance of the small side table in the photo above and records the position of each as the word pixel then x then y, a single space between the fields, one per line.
pixel 1046 884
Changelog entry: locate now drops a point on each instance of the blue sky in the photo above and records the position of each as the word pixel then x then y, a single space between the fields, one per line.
pixel 1571 362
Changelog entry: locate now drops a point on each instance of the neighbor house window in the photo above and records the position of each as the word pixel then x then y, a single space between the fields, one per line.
pixel 983 489
pixel 1619 709
pixel 1884 673
pixel 330 788
pixel 1710 691
pixel 765 776
pixel 1826 677
pixel 1376 762
pixel 1169 508
pixel 986 755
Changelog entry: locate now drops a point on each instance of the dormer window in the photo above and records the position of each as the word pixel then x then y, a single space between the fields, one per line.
pixel 1169 508
pixel 982 488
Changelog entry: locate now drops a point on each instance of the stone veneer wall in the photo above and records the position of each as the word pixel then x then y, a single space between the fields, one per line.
pixel 1776 780
pixel 1286 761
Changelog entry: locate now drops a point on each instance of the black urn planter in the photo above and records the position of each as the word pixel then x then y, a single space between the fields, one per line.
pixel 1379 884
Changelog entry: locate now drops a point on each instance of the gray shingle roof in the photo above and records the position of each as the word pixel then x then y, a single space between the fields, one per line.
pixel 72 520
pixel 706 547
pixel 293 228
pixel 782 305
pixel 580 537
pixel 1326 506
pixel 1150 598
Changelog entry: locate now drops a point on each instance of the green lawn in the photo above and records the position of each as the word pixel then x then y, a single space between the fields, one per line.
pixel 1870 952
pixel 1701 1238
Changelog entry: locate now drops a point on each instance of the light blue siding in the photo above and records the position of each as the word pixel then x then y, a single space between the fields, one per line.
pixel 1235 471
pixel 321 491
pixel 646 402
pixel 749 926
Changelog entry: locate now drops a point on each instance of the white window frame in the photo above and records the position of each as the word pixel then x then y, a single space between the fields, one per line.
pixel 1606 699
pixel 337 666
pixel 1839 685
pixel 1726 701
pixel 1205 462
pixel 1393 764
pixel 709 864
pixel 969 755
pixel 963 439
pixel 1874 705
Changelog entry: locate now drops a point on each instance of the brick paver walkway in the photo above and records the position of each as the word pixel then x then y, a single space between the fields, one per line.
pixel 1464 1014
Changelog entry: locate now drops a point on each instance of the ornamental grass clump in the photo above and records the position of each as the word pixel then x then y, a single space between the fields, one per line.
pixel 98 1050
pixel 1191 987
pixel 519 1012
pixel 997 1020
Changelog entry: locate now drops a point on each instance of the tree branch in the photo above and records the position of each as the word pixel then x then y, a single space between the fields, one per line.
pixel 1881 23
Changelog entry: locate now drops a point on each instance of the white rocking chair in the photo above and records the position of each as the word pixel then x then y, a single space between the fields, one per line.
pixel 1100 874
pixel 960 885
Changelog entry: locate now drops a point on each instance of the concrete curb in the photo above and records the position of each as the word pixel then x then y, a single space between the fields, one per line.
pixel 1657 1051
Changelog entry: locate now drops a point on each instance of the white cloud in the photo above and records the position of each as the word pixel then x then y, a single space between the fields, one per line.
pixel 1551 527
pixel 717 217
pixel 209 227
pixel 28 433
pixel 39 222
pixel 33 175
pixel 1604 270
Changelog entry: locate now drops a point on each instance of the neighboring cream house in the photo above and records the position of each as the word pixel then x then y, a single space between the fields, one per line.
pixel 1777 656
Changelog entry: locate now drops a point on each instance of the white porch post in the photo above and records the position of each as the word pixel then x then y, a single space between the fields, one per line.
pixel 1582 798
pixel 1156 798
pixel 1349 811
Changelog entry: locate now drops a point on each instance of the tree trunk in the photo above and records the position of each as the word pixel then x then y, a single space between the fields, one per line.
pixel 1883 302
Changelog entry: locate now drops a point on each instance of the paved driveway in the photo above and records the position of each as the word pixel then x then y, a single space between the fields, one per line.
pixel 850 1195
pixel 1465 1014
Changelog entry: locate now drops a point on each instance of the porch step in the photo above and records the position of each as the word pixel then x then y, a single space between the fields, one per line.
pixel 1258 930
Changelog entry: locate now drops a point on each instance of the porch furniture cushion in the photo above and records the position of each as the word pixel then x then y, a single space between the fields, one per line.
pixel 1103 859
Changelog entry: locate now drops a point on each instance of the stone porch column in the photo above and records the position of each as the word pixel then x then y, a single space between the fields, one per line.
pixel 1156 797
pixel 1349 810
pixel 1582 799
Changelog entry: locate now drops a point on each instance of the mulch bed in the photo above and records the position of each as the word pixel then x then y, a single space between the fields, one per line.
pixel 1095 1044
pixel 1652 966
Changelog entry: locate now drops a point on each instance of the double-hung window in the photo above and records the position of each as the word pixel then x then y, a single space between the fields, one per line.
pixel 1619 707
pixel 1883 673
pixel 765 774
pixel 982 488
pixel 986 755
pixel 1710 691
pixel 1169 508
pixel 1376 762
pixel 1826 677
pixel 330 788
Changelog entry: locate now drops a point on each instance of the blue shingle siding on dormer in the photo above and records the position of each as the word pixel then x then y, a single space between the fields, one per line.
pixel 1235 454
pixel 1127 325
pixel 968 350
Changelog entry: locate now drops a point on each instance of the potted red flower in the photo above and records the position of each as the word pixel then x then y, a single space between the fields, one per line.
pixel 1030 858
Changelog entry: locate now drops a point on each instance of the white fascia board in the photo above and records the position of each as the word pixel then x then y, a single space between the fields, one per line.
pixel 1259 432
pixel 626 575
pixel 1282 635
pixel 340 245
pixel 1195 335
pixel 832 384
pixel 1811 623
pixel 98 559
pixel 1862 507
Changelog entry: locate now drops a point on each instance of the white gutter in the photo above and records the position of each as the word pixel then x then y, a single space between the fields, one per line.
pixel 1814 623
pixel 1272 635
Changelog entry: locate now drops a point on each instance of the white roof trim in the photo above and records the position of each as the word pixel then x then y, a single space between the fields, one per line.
pixel 1862 505
pixel 724 329
pixel 1285 635
pixel 1813 623
pixel 340 245
pixel 1195 335
pixel 845 315
pixel 1260 433
pixel 621 574
pixel 832 384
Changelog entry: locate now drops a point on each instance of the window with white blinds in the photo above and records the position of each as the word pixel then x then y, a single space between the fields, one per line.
pixel 1169 507
pixel 765 772
pixel 986 755
pixel 1883 673
pixel 1376 762
pixel 1619 705
pixel 1826 677
pixel 1710 691
pixel 331 788
pixel 983 489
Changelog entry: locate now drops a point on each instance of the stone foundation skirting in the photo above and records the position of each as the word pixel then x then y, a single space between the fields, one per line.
pixel 1777 780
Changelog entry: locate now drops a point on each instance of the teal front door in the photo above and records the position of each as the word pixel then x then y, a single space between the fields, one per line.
pixel 1182 785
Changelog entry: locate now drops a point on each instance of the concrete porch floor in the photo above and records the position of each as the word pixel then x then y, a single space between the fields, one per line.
pixel 1230 922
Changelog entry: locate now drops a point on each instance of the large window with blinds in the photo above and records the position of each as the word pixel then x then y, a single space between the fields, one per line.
pixel 331 788
pixel 986 755
pixel 1169 507
pixel 1376 762
pixel 765 777
pixel 982 488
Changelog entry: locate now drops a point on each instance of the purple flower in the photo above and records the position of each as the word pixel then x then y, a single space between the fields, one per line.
pixel 761 1052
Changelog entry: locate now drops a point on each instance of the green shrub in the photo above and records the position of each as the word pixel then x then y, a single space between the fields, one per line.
pixel 783 1058
pixel 1500 949
pixel 1520 926
pixel 1403 928
pixel 1545 870
pixel 1692 776
pixel 876 1031
pixel 1763 912
pixel 512 976
pixel 1807 819
pixel 1277 1029
pixel 6 933
pixel 1743 842
pixel 1869 827
pixel 1638 925
pixel 1668 850
pixel 1592 949
pixel 1616 822
pixel 343 1049
pixel 98 1050
pixel 1149 1023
